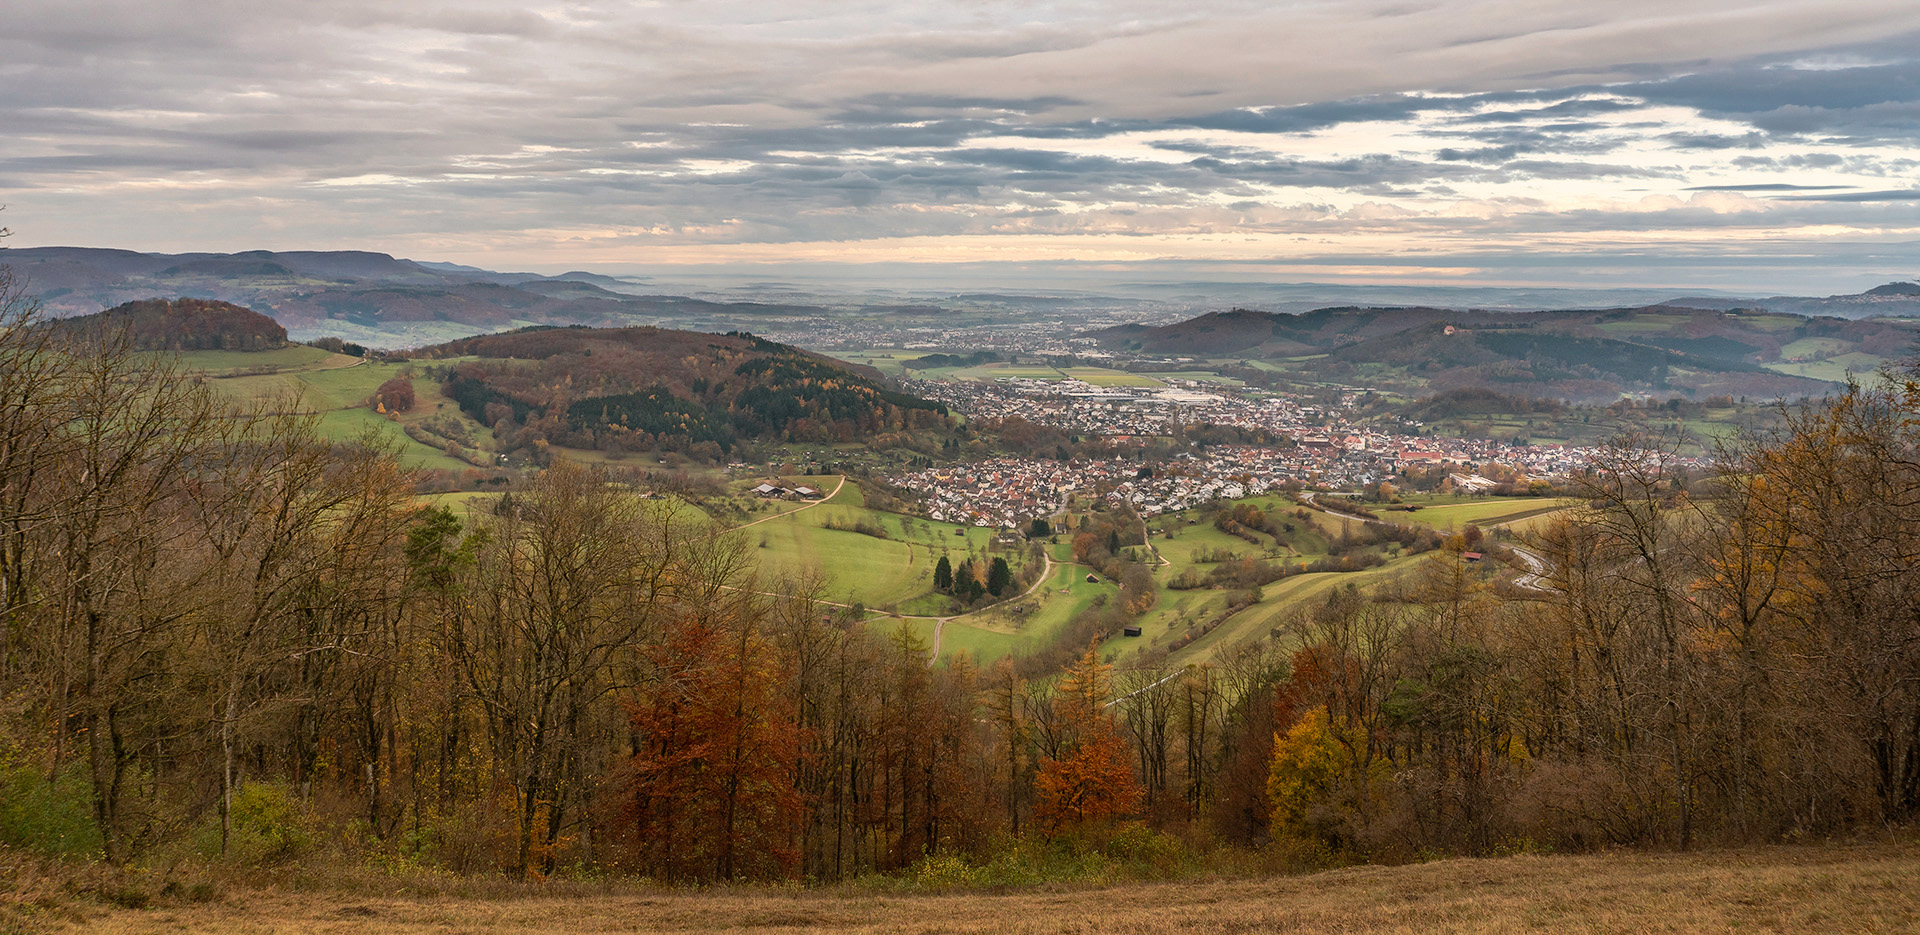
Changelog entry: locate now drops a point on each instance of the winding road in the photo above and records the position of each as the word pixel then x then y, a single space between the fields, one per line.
pixel 1536 578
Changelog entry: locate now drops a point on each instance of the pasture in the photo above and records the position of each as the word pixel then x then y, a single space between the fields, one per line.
pixel 335 388
pixel 1835 368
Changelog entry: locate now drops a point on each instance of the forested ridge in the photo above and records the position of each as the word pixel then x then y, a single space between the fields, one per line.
pixel 633 389
pixel 229 639
pixel 185 324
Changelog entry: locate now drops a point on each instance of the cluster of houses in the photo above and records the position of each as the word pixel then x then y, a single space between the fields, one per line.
pixel 776 492
pixel 1074 406
pixel 1009 492
pixel 1328 442
pixel 1002 492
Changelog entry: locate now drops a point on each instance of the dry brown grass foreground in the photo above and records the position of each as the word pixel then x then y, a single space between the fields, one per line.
pixel 1857 888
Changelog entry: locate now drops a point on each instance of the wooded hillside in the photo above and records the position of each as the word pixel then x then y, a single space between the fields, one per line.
pixel 185 325
pixel 632 389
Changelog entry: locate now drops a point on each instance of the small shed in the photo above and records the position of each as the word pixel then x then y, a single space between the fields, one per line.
pixel 1470 556
pixel 1130 630
pixel 1093 579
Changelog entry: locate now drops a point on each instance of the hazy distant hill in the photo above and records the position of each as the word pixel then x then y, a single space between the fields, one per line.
pixel 366 296
pixel 1581 355
pixel 185 325
pixel 1892 300
pixel 650 388
pixel 384 301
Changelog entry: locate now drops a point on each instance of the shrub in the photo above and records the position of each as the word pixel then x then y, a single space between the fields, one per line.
pixel 268 825
pixel 50 817
pixel 395 394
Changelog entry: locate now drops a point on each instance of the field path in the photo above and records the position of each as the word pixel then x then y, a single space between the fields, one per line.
pixel 809 506
pixel 940 623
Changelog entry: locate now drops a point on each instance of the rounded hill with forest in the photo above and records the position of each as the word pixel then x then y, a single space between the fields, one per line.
pixel 643 388
pixel 185 325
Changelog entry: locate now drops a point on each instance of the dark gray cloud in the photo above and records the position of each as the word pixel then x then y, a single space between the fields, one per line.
pixel 1711 141
pixel 1908 194
pixel 1762 187
pixel 1859 104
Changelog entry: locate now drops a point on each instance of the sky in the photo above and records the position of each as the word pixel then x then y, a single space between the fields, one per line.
pixel 1763 146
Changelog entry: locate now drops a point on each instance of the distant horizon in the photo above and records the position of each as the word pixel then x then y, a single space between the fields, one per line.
pixel 1062 276
pixel 1692 145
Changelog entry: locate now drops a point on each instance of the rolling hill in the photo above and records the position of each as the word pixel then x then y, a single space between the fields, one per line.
pixel 368 297
pixel 1581 355
pixel 638 388
pixel 185 325
pixel 1891 300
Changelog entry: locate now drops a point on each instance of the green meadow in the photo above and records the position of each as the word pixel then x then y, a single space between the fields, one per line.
pixel 1452 517
pixel 891 574
pixel 335 388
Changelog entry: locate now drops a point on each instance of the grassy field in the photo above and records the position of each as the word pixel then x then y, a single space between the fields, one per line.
pixel 1644 323
pixel 1805 346
pixel 1866 888
pixel 1101 376
pixel 292 357
pixel 335 387
pixel 999 630
pixel 894 573
pixel 891 572
pixel 887 361
pixel 1179 611
pixel 1833 368
pixel 1284 598
pixel 1454 516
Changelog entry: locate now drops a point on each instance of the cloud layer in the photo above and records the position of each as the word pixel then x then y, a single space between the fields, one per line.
pixel 1769 146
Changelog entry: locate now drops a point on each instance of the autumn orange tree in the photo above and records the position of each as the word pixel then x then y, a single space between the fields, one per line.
pixel 1090 781
pixel 712 794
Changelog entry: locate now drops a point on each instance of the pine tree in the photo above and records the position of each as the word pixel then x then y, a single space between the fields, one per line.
pixel 999 577
pixel 943 574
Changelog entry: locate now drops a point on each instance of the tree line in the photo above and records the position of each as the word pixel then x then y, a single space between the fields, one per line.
pixel 224 632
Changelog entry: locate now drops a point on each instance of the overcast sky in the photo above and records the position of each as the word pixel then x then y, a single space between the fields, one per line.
pixel 1752 145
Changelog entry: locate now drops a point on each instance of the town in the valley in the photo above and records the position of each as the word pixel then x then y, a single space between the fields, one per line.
pixel 1318 445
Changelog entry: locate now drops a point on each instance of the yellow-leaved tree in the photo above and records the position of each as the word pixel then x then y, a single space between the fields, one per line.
pixel 1305 786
